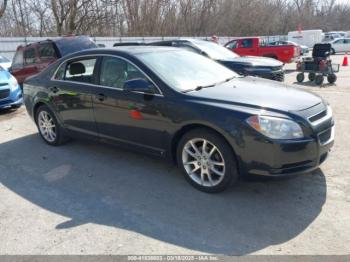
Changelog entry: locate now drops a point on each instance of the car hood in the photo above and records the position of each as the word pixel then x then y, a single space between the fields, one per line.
pixel 5 65
pixel 256 61
pixel 4 76
pixel 261 93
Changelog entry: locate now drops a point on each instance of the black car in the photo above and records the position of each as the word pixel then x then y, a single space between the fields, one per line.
pixel 264 67
pixel 176 104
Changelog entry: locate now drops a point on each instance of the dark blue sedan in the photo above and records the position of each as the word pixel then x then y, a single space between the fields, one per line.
pixel 10 91
pixel 215 124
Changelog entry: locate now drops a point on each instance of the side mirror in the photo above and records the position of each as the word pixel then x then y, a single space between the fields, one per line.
pixel 139 85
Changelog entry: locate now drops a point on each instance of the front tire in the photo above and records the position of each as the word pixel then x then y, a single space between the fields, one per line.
pixel 332 51
pixel 48 126
pixel 207 160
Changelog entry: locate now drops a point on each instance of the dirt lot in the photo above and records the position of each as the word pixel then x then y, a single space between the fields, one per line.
pixel 90 198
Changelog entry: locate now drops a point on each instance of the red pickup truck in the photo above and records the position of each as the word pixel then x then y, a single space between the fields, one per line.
pixel 255 46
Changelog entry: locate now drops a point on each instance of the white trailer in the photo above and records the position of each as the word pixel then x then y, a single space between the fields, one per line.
pixel 306 37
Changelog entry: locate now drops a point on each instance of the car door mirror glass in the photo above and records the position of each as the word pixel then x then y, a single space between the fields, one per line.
pixel 139 85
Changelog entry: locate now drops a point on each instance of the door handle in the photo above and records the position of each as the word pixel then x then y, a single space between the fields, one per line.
pixel 54 89
pixel 101 97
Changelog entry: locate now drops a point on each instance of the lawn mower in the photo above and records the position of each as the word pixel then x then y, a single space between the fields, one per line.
pixel 318 66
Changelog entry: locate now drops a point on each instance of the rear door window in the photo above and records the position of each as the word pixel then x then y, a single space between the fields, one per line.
pixel 81 71
pixel 29 56
pixel 18 60
pixel 47 51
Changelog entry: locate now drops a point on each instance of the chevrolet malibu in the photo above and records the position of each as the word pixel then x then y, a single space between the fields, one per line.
pixel 169 102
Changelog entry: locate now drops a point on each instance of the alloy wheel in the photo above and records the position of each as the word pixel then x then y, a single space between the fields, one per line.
pixel 203 162
pixel 47 126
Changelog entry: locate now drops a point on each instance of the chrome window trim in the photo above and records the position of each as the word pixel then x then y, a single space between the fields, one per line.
pixel 160 94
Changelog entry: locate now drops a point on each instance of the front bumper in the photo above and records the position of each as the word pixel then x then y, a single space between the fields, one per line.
pixel 14 98
pixel 286 158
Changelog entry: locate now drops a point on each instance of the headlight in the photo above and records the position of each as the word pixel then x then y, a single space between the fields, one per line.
pixel 13 83
pixel 276 128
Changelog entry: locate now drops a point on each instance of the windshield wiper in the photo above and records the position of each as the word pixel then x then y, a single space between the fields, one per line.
pixel 207 86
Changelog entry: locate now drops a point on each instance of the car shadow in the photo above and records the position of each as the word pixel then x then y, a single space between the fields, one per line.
pixel 95 183
pixel 312 84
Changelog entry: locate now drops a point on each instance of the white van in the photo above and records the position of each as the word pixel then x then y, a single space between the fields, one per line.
pixel 306 37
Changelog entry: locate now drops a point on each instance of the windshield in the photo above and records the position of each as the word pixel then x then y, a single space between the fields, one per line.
pixel 215 51
pixel 68 45
pixel 184 70
pixel 4 59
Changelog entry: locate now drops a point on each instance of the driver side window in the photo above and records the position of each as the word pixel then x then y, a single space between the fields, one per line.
pixel 115 72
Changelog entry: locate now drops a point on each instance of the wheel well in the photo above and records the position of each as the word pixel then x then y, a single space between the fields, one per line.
pixel 271 56
pixel 36 107
pixel 176 139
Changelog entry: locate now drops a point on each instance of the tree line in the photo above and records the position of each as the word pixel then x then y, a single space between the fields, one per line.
pixel 169 17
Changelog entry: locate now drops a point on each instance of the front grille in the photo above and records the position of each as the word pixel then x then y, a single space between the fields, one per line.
pixel 325 136
pixel 277 76
pixel 318 116
pixel 4 93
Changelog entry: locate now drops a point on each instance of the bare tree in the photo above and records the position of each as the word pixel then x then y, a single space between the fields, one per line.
pixel 3 7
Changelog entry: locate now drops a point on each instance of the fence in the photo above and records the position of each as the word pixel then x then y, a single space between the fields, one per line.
pixel 8 45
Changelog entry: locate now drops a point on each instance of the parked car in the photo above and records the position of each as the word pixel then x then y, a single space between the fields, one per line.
pixel 176 104
pixel 5 63
pixel 10 91
pixel 303 48
pixel 341 45
pixel 255 46
pixel 33 58
pixel 248 65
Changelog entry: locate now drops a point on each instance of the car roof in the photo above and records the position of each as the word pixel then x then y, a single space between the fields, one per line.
pixel 127 50
pixel 51 40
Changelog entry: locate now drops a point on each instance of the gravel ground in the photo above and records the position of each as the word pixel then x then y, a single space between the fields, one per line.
pixel 91 198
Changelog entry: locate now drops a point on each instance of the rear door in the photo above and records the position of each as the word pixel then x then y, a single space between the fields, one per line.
pixel 347 45
pixel 70 93
pixel 129 118
pixel 30 62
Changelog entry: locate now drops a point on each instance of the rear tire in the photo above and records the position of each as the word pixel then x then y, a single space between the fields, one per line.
pixel 300 77
pixel 332 78
pixel 332 51
pixel 207 160
pixel 49 129
pixel 319 80
pixel 312 77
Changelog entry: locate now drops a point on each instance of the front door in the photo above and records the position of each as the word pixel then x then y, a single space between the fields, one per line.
pixel 70 94
pixel 126 117
pixel 246 47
